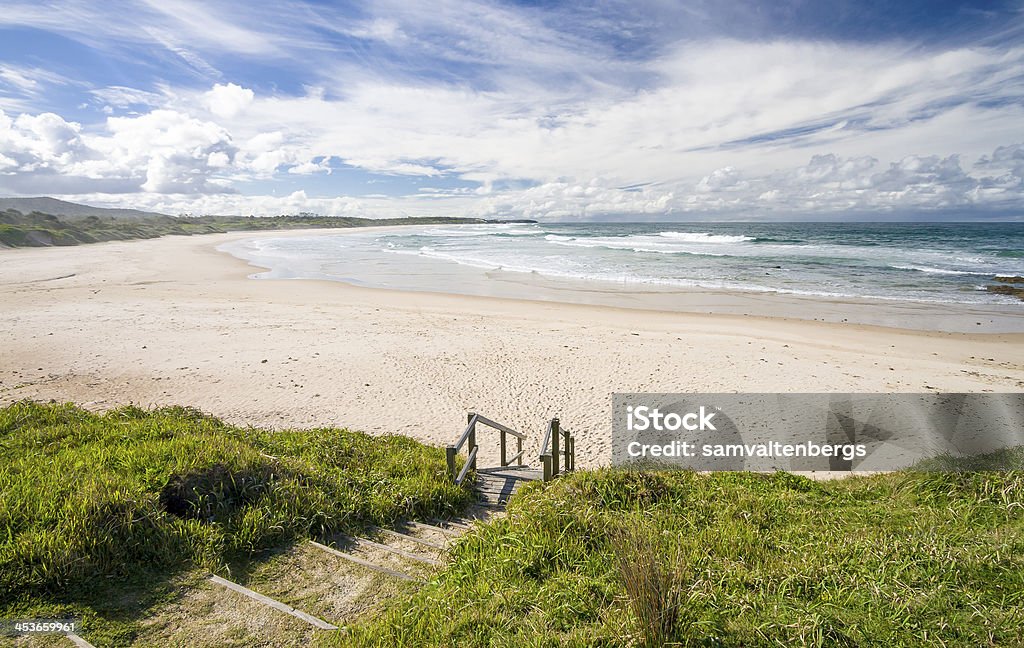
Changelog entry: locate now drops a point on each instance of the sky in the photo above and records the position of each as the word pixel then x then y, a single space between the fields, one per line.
pixel 607 110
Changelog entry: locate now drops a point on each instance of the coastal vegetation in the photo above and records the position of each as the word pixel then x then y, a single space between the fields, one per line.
pixel 616 558
pixel 100 512
pixel 38 229
pixel 97 504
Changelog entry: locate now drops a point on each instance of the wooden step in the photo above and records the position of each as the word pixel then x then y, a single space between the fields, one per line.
pixel 269 602
pixel 395 550
pixel 447 533
pixel 495 494
pixel 78 641
pixel 524 473
pixel 496 487
pixel 407 536
pixel 491 502
pixel 457 525
pixel 497 506
pixel 365 563
pixel 493 497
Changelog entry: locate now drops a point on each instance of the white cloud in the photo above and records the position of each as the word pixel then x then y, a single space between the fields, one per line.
pixel 29 80
pixel 199 20
pixel 17 79
pixel 751 106
pixel 698 126
pixel 1008 162
pixel 381 29
pixel 175 150
pixel 227 100
pixel 209 25
pixel 123 97
pixel 170 152
pixel 161 151
pixel 724 179
pixel 310 166
pixel 38 142
pixel 218 159
pixel 261 205
pixel 826 185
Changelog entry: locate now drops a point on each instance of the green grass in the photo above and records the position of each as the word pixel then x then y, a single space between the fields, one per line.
pixel 92 506
pixel 1005 459
pixel 100 514
pixel 41 230
pixel 616 558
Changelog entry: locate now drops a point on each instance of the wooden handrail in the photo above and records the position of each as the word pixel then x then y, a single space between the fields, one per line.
pixel 499 426
pixel 547 439
pixel 550 457
pixel 465 435
pixel 469 436
pixel 470 460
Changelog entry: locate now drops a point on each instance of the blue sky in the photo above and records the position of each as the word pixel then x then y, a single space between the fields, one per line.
pixel 628 110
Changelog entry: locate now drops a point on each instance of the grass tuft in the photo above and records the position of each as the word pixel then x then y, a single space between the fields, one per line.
pixel 655 588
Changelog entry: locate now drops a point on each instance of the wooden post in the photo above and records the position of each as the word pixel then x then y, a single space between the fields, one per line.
pixel 504 454
pixel 449 454
pixel 572 453
pixel 519 449
pixel 546 460
pixel 555 434
pixel 568 452
pixel 472 437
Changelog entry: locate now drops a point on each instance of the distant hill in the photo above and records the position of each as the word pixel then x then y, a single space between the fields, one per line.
pixel 70 210
pixel 40 222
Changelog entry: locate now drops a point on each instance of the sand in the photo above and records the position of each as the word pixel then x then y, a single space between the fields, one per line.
pixel 174 321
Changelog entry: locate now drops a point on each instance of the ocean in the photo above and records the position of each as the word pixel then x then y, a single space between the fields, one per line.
pixel 949 263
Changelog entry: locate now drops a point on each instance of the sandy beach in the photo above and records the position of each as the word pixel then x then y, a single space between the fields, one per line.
pixel 174 321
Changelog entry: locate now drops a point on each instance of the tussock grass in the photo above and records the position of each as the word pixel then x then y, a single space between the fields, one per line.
pixel 654 577
pixel 89 502
pixel 616 558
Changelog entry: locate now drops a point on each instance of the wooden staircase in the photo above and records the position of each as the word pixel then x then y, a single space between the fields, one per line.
pixel 495 486
pixel 405 554
pixel 307 593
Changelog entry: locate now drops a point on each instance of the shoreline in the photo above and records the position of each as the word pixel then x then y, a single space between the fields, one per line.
pixel 634 310
pixel 425 275
pixel 175 321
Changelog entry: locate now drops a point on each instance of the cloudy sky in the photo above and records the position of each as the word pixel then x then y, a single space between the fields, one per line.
pixel 629 109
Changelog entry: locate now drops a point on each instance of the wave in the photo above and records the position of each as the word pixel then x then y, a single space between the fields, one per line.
pixel 465 260
pixel 516 233
pixel 772 239
pixel 941 271
pixel 628 244
pixel 678 282
pixel 704 237
pixel 467 231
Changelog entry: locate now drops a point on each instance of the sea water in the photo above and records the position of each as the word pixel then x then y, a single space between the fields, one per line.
pixel 925 263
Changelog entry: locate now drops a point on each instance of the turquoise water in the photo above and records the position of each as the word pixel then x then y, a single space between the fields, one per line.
pixel 929 262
